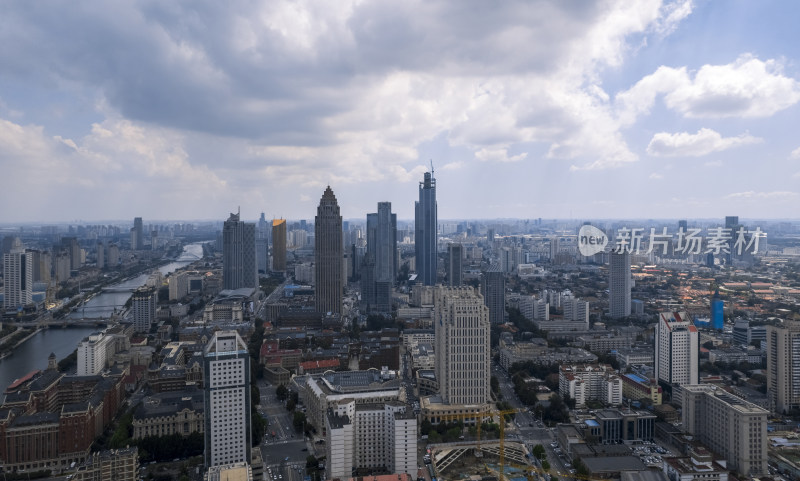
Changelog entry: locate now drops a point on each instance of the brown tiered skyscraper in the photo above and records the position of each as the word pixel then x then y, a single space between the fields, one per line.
pixel 328 255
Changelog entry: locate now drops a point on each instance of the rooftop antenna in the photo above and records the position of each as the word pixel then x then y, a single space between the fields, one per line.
pixel 431 167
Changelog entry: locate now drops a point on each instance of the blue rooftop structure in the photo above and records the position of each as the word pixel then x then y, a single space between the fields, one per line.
pixel 636 378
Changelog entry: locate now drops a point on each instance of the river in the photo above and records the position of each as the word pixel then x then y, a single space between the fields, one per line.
pixel 62 341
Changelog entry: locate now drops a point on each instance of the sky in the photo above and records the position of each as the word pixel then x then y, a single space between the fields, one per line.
pixel 565 109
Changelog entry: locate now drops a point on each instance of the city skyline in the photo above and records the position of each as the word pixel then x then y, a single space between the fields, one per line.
pixel 530 109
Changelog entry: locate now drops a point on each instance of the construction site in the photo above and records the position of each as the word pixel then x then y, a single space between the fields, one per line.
pixel 463 460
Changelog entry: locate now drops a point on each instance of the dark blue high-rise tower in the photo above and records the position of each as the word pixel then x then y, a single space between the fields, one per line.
pixel 425 238
pixel 717 312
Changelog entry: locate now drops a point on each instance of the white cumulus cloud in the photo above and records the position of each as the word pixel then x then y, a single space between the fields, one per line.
pixel 746 88
pixel 704 142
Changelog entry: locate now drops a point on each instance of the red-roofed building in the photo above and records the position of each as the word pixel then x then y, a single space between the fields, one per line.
pixel 319 367
pixel 271 355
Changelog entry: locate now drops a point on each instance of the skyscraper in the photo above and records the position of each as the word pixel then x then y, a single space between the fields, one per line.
pixel 261 231
pixel 278 245
pixel 18 269
pixel 619 284
pixel 381 257
pixel 137 234
pixel 144 302
pixel 425 238
pixel 463 351
pixel 455 254
pixel 493 286
pixel 677 346
pixel 382 241
pixel 74 250
pixel 239 268
pixel 101 255
pixel 783 366
pixel 717 311
pixel 328 255
pixel 226 377
pixel 732 223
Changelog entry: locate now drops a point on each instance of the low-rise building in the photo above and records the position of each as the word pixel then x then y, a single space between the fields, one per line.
pixel 110 465
pixel 177 412
pixel 636 388
pixel 584 382
pixel 698 466
pixel 320 392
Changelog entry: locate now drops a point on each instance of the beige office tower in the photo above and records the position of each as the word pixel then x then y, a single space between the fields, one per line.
pixel 728 425
pixel 783 366
pixel 463 354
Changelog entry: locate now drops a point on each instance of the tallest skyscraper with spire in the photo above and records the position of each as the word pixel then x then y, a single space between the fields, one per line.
pixel 425 238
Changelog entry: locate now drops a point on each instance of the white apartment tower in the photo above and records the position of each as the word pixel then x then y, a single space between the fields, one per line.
pixel 227 400
pixel 461 327
pixel 584 382
pixel 534 309
pixel 93 353
pixel 575 309
pixel 677 348
pixel 783 366
pixel 178 285
pixel 18 269
pixel 371 436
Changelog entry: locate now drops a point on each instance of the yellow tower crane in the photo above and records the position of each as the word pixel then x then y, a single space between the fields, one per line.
pixel 478 418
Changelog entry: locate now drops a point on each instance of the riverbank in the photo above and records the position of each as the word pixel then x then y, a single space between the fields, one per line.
pixel 30 349
pixel 6 351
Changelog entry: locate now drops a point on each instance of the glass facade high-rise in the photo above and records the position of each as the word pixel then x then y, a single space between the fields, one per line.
pixel 381 258
pixel 717 311
pixel 382 241
pixel 137 234
pixel 455 254
pixel 278 245
pixel 328 255
pixel 619 285
pixel 493 288
pixel 425 235
pixel 239 268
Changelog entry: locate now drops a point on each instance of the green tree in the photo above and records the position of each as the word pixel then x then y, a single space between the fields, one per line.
pixel 281 392
pixel 425 427
pixel 495 384
pixel 538 451
pixel 581 468
pixel 546 466
pixel 122 434
pixel 299 420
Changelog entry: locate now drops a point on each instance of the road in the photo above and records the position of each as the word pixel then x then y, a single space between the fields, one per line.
pixel 284 452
